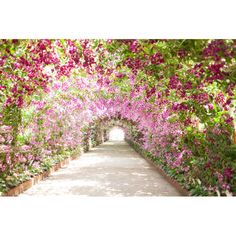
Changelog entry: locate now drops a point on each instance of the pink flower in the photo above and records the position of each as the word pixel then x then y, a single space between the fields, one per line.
pixel 3 168
pixel 225 186
pixel 228 173
pixel 210 106
pixel 202 98
pixel 229 120
pixel 157 59
pixel 1 62
pixel 174 83
pixel 19 101
pixel 220 98
pixel 15 41
pixel 25 148
pixel 2 87
pixel 188 85
pixel 5 129
pixel 134 46
pixel 2 139
pixel 8 159
pixel 165 114
pixel 4 148
pixel 17 65
pixel 22 159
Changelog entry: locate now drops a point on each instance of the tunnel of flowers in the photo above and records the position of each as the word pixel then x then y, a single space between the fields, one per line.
pixel 174 99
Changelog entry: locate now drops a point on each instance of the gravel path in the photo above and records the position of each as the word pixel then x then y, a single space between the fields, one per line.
pixel 111 169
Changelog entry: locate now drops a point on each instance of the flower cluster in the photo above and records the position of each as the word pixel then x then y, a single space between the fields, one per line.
pixel 53 91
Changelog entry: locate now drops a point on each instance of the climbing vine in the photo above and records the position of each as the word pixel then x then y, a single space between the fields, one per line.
pixel 176 99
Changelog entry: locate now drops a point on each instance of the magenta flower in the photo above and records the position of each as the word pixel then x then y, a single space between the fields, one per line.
pixel 210 106
pixel 188 85
pixel 165 115
pixel 228 173
pixel 229 120
pixel 220 98
pixel 1 62
pixel 19 101
pixel 134 46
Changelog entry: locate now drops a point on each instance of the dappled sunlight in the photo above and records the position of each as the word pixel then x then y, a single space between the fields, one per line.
pixel 108 170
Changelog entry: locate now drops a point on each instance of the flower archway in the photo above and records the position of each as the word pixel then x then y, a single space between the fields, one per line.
pixel 176 96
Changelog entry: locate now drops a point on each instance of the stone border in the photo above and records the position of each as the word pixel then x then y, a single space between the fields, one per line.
pixel 170 180
pixel 15 191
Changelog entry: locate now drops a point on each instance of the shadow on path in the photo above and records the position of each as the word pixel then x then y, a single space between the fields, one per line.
pixel 111 169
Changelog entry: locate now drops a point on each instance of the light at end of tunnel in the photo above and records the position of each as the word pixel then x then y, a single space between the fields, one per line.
pixel 116 134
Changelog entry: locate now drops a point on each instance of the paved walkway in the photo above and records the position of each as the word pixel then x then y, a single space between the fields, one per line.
pixel 111 169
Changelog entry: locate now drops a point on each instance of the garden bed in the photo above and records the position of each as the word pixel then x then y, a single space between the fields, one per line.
pixel 15 191
pixel 170 180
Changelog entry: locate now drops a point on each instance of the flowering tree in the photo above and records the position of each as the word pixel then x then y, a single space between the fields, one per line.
pixel 175 98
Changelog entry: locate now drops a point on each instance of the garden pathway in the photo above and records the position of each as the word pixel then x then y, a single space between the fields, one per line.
pixel 111 169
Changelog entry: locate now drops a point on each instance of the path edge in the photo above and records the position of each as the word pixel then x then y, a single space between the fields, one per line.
pixel 170 180
pixel 17 190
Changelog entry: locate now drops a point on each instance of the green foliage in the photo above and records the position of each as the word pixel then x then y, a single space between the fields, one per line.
pixel 231 152
pixel 12 117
